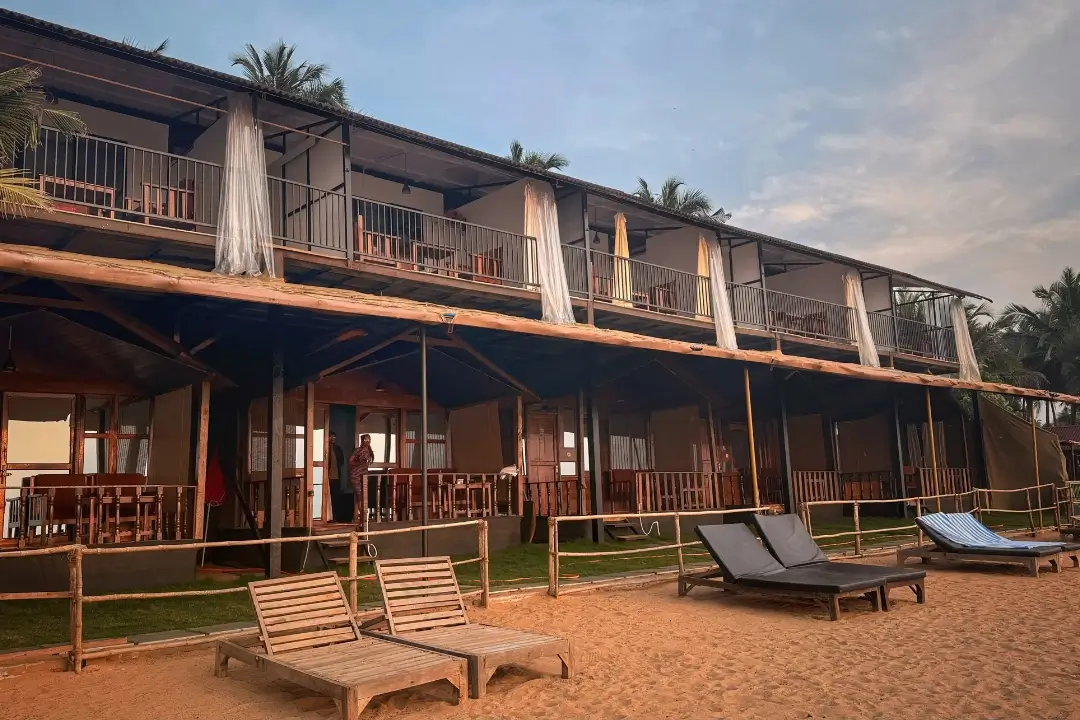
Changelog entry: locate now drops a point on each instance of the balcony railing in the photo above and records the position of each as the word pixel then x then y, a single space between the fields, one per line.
pixel 413 240
pixel 307 217
pixel 633 283
pixel 797 315
pixel 912 337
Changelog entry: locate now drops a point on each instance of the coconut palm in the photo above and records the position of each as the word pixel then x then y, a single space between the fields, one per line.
pixel 674 195
pixel 276 67
pixel 536 160
pixel 1048 336
pixel 157 49
pixel 24 108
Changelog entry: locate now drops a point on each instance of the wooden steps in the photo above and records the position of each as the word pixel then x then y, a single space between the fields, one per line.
pixel 623 529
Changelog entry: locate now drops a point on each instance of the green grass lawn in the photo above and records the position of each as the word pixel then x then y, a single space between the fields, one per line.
pixel 30 623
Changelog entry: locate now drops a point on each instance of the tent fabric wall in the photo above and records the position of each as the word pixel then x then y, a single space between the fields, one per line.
pixel 1008 454
pixel 806 443
pixel 170 460
pixel 675 437
pixel 475 441
pixel 864 444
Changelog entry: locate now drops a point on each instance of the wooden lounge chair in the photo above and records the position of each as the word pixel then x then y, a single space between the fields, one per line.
pixel 786 538
pixel 960 537
pixel 746 567
pixel 424 608
pixel 308 636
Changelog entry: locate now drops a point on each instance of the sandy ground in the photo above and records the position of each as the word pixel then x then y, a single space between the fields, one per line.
pixel 987 645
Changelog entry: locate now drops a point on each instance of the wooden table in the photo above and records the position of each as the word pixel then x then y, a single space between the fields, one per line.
pixel 108 193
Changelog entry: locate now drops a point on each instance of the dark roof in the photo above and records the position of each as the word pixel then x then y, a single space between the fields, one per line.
pixel 1069 434
pixel 232 82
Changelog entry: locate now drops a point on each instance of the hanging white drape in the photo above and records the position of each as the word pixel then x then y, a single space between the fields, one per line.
pixel 623 289
pixel 709 250
pixel 965 351
pixel 244 236
pixel 853 294
pixel 542 223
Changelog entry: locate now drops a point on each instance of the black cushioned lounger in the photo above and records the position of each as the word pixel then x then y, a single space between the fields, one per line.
pixel 787 539
pixel 747 567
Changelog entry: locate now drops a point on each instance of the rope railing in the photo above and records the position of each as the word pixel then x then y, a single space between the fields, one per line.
pixel 78 598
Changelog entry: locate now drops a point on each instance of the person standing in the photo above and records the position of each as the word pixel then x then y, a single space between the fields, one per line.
pixel 337 480
pixel 359 463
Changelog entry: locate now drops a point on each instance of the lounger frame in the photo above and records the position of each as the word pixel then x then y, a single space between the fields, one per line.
pixel 1031 562
pixel 317 645
pixel 829 601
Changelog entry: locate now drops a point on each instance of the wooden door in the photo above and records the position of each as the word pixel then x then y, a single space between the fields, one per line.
pixel 541 460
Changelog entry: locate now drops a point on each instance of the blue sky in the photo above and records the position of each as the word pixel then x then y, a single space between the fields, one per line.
pixel 938 138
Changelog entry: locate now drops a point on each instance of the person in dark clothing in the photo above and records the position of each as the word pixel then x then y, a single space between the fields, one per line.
pixel 338 481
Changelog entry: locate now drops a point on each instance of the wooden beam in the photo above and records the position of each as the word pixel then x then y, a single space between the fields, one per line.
pixel 514 382
pixel 519 452
pixel 326 372
pixel 688 377
pixel 201 450
pixel 933 445
pixel 275 451
pixel 750 438
pixel 343 336
pixel 144 276
pixel 100 304
pixel 11 282
pixel 56 303
pixel 203 345
pixel 309 453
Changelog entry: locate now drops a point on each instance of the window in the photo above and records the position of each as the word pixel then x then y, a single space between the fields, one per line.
pixel 293 450
pixel 438 457
pixel 383 429
pixel 116 435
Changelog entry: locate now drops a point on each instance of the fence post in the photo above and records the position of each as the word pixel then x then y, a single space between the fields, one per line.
pixel 553 557
pixel 353 549
pixel 75 585
pixel 678 541
pixel 485 583
pixel 1057 508
pixel 858 529
pixel 918 513
pixel 1031 515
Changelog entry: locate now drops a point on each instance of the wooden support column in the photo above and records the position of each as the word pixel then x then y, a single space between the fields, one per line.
pixel 201 440
pixel 716 494
pixel 1035 448
pixel 275 451
pixel 579 431
pixel 750 437
pixel 309 454
pixel 423 440
pixel 978 461
pixel 595 465
pixel 350 222
pixel 933 444
pixel 590 315
pixel 519 452
pixel 785 450
pixel 898 449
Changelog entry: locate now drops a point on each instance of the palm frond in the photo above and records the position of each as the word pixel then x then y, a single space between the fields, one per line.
pixel 157 49
pixel 19 191
pixel 643 192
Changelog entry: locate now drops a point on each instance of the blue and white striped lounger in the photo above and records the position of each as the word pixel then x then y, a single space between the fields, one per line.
pixel 959 536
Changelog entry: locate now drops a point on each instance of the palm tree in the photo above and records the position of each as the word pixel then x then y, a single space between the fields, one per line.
pixel 275 67
pixel 536 160
pixel 1049 336
pixel 156 50
pixel 675 196
pixel 24 108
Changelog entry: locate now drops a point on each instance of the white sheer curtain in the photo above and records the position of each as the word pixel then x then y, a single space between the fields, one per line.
pixel 853 294
pixel 965 351
pixel 542 223
pixel 243 235
pixel 721 307
pixel 623 281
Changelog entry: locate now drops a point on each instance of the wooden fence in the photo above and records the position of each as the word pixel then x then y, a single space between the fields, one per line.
pixel 78 599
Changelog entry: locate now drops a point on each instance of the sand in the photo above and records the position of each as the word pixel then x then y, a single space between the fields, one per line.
pixel 987 645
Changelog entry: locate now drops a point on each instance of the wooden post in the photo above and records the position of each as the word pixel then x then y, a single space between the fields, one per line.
pixel 933 447
pixel 579 431
pixel 590 316
pixel 354 542
pixel 785 450
pixel 1031 516
pixel 424 499
pixel 553 557
pixel 519 452
pixel 716 494
pixel 309 453
pixel 485 582
pixel 679 549
pixel 275 453
pixel 350 228
pixel 75 583
pixel 750 437
pixel 899 441
pixel 858 529
pixel 200 459
pixel 976 502
pixel 918 513
pixel 1035 462
pixel 595 459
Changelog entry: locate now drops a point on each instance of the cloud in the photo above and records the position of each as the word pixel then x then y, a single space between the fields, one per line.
pixel 956 170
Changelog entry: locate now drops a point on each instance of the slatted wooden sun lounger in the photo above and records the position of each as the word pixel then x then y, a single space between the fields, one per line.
pixel 308 636
pixel 424 608
pixel 960 537
pixel 787 539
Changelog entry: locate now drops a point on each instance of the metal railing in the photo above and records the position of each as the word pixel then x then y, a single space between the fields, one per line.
pixel 412 240
pixel 747 305
pixel 912 337
pixel 305 216
pixel 797 315
pixel 93 176
pixel 633 283
pixel 576 264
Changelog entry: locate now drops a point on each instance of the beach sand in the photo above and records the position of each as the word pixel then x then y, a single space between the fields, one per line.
pixel 991 644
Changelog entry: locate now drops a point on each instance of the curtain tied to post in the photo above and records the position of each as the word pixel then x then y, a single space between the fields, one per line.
pixel 715 297
pixel 542 224
pixel 864 338
pixel 965 351
pixel 244 236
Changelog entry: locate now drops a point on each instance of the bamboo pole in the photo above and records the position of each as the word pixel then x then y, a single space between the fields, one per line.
pixel 201 440
pixel 553 557
pixel 75 580
pixel 933 445
pixel 485 582
pixel 918 513
pixel 1035 460
pixel 679 549
pixel 354 541
pixel 1031 516
pixel 858 529
pixel 750 437
pixel 519 460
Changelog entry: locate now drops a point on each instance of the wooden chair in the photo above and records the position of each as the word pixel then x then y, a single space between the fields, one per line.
pixel 424 609
pixel 70 504
pixel 128 508
pixel 308 636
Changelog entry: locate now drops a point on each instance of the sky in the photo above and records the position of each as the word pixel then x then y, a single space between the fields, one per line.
pixel 937 138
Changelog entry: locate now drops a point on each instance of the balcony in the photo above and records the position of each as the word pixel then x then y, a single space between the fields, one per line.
pixel 912 337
